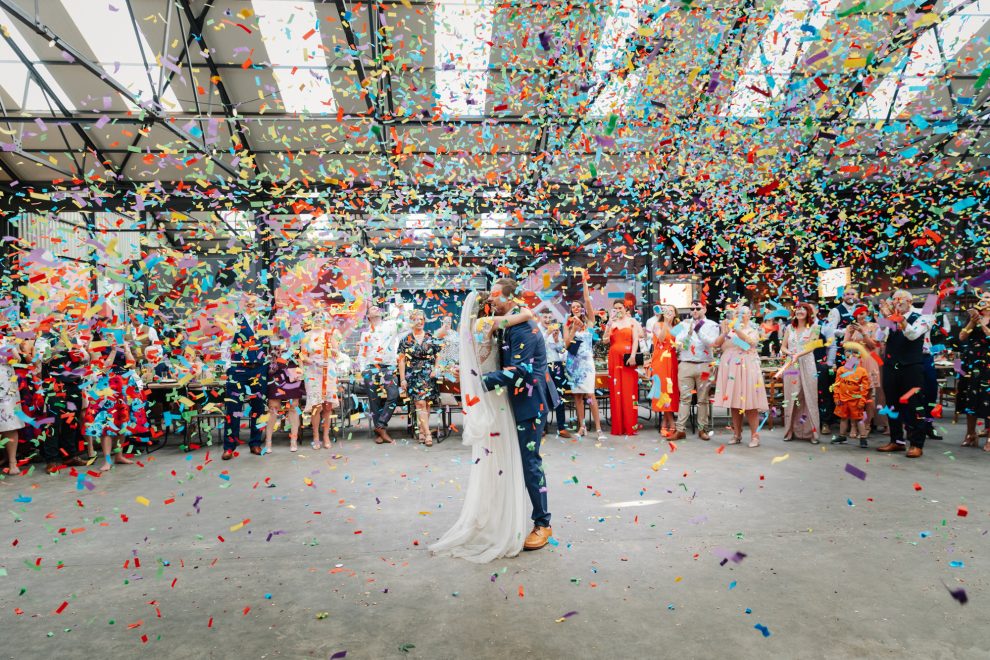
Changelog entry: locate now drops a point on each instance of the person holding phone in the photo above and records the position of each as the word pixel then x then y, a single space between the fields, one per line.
pixel 974 385
pixel 623 333
pixel 579 344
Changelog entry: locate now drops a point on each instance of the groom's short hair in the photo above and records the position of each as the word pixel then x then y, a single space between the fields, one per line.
pixel 507 286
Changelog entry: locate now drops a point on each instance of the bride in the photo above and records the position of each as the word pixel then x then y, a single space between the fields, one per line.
pixel 494 521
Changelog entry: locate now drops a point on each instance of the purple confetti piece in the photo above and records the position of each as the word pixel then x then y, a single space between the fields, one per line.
pixel 338 654
pixel 569 614
pixel 855 471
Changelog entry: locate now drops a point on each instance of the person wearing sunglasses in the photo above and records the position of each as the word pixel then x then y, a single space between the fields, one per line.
pixel 694 338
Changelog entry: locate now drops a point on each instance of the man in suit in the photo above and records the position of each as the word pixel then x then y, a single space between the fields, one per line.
pixel 245 355
pixel 904 329
pixel 532 396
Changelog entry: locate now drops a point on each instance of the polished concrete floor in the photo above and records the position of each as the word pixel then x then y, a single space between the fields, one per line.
pixel 703 551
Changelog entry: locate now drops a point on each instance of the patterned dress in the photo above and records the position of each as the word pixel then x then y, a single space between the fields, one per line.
pixel 974 385
pixel 117 397
pixel 420 360
pixel 10 400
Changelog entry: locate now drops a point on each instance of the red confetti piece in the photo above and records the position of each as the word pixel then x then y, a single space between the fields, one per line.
pixel 917 486
pixel 962 511
pixel 61 608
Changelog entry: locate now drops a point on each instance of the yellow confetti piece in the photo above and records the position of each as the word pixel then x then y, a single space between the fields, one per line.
pixel 142 500
pixel 236 527
pixel 424 513
pixel 307 481
pixel 659 464
pixel 778 459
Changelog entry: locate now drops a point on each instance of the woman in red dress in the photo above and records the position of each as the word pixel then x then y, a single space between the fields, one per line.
pixel 623 334
pixel 664 393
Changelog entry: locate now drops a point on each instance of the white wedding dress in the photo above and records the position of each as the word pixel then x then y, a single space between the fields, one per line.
pixel 494 521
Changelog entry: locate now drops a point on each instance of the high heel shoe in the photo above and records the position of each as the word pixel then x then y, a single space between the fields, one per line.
pixel 970 440
pixel 754 440
pixel 736 440
pixel 293 444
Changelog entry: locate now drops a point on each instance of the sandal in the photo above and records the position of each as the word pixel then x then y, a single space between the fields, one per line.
pixel 737 440
pixel 602 437
pixel 986 447
pixel 814 440
pixel 581 432
pixel 970 440
pixel 293 444
pixel 315 445
pixel 428 442
pixel 754 440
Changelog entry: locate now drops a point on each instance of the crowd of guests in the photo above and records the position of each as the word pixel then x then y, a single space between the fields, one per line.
pixel 73 381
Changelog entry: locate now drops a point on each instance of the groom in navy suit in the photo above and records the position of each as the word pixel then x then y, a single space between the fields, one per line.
pixel 532 395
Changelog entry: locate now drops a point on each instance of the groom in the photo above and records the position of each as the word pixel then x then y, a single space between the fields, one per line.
pixel 532 396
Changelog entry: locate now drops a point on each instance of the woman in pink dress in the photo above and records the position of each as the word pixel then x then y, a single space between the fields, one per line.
pixel 800 375
pixel 739 385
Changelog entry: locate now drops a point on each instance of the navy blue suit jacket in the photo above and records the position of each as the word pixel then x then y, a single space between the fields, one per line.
pixel 524 373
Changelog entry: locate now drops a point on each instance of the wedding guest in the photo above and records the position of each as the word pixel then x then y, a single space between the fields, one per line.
pixel 852 393
pixel 285 392
pixel 116 399
pixel 10 400
pixel 800 376
pixel 245 356
pixel 903 371
pixel 695 339
pixel 739 384
pixel 30 384
pixel 665 398
pixel 450 350
pixel 973 390
pixel 418 368
pixel 623 334
pixel 865 332
pixel 65 365
pixel 934 343
pixel 319 357
pixel 834 333
pixel 553 337
pixel 377 360
pixel 581 372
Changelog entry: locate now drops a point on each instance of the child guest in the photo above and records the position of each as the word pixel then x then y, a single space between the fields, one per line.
pixel 853 392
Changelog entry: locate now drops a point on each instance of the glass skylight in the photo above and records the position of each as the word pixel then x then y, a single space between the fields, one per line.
pixel 420 225
pixel 291 32
pixel 16 79
pixel 242 224
pixel 463 30
pixel 924 63
pixel 611 55
pixel 493 225
pixel 107 28
pixel 794 28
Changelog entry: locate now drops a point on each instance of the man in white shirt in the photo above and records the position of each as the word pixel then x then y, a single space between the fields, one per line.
pixel 377 355
pixel 694 338
pixel 553 337
pixel 904 329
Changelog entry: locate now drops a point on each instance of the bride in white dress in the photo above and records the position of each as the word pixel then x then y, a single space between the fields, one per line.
pixel 494 521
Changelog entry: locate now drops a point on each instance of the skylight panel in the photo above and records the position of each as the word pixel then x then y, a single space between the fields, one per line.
pixel 242 224
pixel 420 225
pixel 493 225
pixel 463 30
pixel 611 55
pixel 291 32
pixel 924 62
pixel 794 27
pixel 16 79
pixel 110 34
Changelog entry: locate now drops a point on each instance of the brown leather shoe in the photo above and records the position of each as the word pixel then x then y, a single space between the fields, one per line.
pixel 227 455
pixel 680 435
pixel 891 446
pixel 538 538
pixel 256 450
pixel 914 452
pixel 705 435
pixel 52 468
pixel 564 433
pixel 75 461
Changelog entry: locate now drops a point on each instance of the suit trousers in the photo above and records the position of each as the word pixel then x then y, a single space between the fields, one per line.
pixel 530 435
pixel 380 386
pixel 899 380
pixel 61 438
pixel 559 376
pixel 690 381
pixel 246 384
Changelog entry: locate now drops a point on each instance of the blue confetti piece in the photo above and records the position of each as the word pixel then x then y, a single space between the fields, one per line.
pixel 925 535
pixel 956 564
pixel 763 629
pixel 732 585
pixel 850 502
pixel 22 499
pixel 820 260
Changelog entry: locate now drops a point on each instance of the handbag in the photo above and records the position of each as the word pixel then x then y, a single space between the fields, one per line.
pixel 574 347
pixel 639 359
